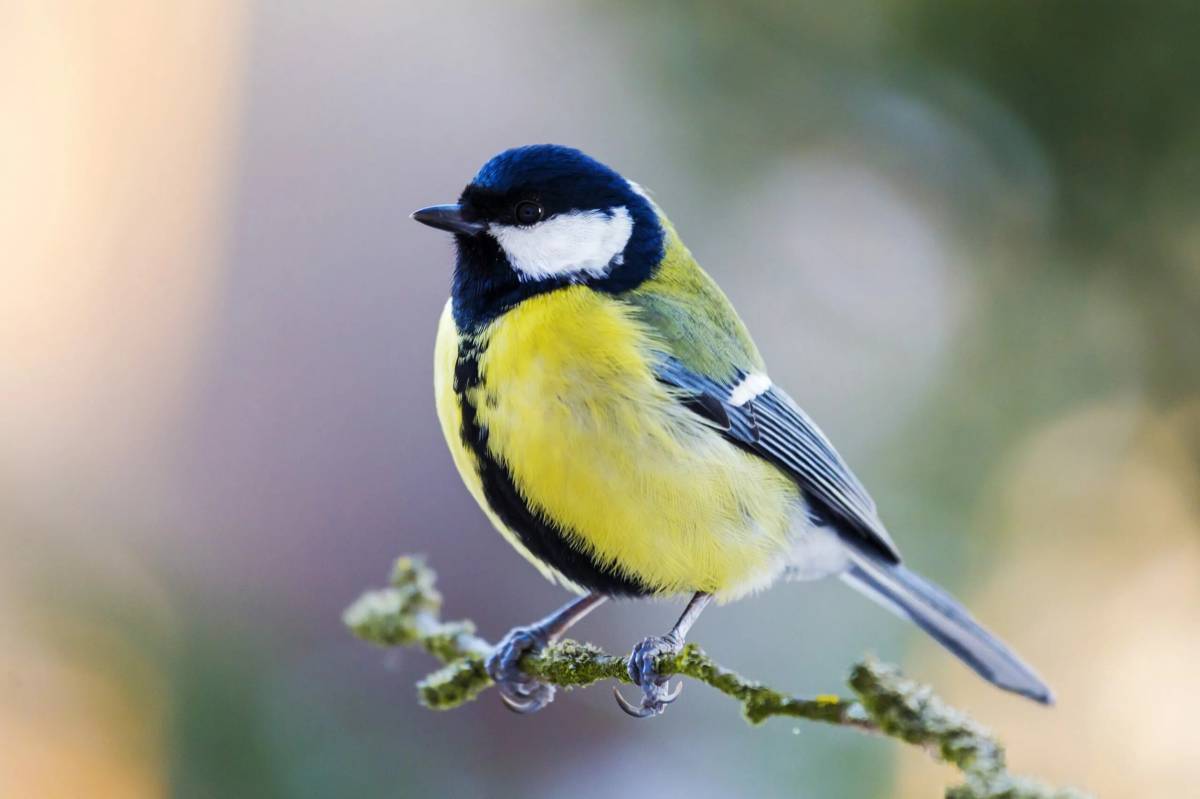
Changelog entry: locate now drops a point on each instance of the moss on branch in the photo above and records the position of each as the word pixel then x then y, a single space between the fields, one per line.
pixel 407 613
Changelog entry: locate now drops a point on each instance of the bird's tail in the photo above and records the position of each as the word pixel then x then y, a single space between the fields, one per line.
pixel 933 610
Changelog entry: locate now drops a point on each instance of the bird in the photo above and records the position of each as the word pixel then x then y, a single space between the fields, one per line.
pixel 609 411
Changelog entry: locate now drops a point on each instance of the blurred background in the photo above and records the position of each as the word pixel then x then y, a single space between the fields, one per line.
pixel 966 237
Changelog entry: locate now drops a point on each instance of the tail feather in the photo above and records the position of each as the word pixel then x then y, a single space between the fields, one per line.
pixel 933 610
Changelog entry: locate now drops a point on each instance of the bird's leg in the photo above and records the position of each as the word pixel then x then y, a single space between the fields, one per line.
pixel 641 666
pixel 520 692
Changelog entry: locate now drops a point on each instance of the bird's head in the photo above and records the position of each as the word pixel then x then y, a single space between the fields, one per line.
pixel 540 217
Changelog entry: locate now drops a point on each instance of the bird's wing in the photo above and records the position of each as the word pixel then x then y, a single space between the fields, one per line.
pixel 706 353
pixel 762 419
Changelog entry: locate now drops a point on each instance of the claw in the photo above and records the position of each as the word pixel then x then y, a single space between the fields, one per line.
pixel 651 706
pixel 520 693
pixel 631 709
pixel 522 708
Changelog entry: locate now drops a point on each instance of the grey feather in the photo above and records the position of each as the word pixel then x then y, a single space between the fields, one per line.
pixel 773 427
pixel 933 610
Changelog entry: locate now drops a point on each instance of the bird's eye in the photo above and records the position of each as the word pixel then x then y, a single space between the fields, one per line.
pixel 527 212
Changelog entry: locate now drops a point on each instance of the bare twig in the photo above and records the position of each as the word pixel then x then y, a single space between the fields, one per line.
pixel 407 613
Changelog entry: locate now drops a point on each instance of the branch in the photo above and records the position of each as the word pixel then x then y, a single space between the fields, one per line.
pixel 407 613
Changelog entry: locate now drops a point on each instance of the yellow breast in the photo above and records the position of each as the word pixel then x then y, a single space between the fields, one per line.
pixel 595 443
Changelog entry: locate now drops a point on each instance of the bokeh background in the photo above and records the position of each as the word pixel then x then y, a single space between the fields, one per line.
pixel 966 237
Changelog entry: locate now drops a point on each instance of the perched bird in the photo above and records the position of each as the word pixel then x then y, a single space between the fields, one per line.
pixel 608 410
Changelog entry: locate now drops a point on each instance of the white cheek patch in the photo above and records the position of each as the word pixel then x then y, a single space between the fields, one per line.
pixel 578 243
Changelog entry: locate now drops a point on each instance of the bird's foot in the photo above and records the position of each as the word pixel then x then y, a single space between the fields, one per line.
pixel 520 692
pixel 642 670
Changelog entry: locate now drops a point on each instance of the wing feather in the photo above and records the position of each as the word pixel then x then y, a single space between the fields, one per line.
pixel 773 427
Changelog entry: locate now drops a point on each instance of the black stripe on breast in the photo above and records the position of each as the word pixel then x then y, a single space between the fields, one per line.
pixel 543 539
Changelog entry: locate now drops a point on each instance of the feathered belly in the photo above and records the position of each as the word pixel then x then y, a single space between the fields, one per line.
pixel 628 478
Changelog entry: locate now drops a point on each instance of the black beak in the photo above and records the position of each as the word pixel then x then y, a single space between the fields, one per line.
pixel 448 217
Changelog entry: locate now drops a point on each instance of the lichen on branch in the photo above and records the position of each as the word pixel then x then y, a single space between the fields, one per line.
pixel 408 613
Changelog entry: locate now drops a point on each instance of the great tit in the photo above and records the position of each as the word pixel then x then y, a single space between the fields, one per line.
pixel 609 412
